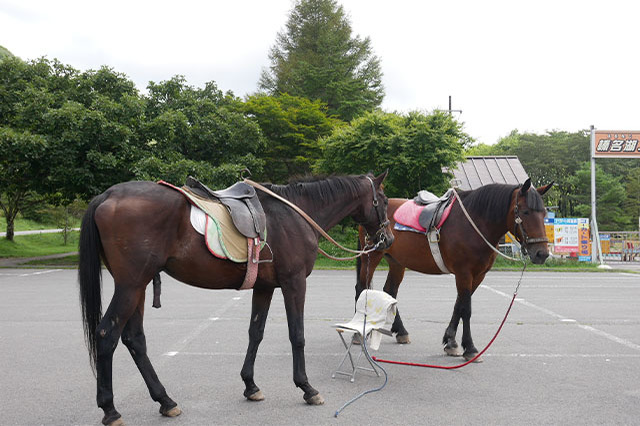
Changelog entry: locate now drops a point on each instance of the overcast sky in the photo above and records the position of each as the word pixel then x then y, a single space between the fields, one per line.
pixel 531 66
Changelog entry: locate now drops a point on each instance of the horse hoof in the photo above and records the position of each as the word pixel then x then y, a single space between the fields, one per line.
pixel 316 399
pixel 470 356
pixel 452 351
pixel 173 412
pixel 256 396
pixel 403 340
pixel 111 421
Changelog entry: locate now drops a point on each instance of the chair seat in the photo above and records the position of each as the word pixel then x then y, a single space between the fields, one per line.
pixel 375 313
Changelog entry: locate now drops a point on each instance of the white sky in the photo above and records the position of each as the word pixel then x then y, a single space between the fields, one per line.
pixel 531 66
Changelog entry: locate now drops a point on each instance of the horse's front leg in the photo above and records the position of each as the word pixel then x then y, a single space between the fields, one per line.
pixel 294 294
pixel 449 340
pixel 260 304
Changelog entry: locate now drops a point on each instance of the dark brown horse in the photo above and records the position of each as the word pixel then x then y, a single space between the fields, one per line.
pixel 465 254
pixel 141 228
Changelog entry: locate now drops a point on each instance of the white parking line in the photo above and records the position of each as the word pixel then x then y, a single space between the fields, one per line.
pixel 204 325
pixel 562 318
pixel 30 274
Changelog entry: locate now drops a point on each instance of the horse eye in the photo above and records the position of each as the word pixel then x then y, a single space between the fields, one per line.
pixel 526 212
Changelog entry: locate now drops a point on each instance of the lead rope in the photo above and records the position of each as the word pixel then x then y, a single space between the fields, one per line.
pixel 315 225
pixel 453 367
pixel 369 357
pixel 515 293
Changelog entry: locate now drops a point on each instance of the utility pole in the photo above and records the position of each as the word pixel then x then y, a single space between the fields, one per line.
pixel 453 110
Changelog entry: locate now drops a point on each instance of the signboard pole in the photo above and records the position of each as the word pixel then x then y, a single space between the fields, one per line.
pixel 596 250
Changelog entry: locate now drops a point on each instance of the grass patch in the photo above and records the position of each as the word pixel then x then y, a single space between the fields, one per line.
pixel 38 245
pixel 555 264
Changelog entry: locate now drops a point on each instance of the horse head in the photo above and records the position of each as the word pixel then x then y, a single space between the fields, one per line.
pixel 372 213
pixel 528 213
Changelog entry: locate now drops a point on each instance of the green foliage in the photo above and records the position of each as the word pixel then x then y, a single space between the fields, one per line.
pixel 22 169
pixel 89 120
pixel 292 127
pixel 563 157
pixel 316 57
pixel 414 147
pixel 38 245
pixel 198 132
pixel 4 53
pixel 609 202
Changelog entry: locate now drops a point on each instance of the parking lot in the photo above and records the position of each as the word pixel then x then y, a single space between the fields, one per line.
pixel 568 354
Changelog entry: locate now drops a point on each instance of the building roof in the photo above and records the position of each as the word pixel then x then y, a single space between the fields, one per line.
pixel 479 171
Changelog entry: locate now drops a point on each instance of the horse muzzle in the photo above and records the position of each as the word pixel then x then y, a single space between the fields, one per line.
pixel 538 255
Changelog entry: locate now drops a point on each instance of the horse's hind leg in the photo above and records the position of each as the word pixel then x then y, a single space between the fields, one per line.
pixel 134 339
pixel 122 306
pixel 394 278
pixel 261 302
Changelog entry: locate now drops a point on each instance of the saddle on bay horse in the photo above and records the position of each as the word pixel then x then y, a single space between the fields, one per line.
pixel 243 203
pixel 426 214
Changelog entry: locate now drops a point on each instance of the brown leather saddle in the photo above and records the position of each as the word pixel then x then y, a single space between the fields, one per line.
pixel 434 207
pixel 243 203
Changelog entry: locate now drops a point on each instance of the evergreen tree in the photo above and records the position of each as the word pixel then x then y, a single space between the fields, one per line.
pixel 316 57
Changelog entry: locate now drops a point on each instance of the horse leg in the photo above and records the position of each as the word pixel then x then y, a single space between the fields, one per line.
pixel 394 278
pixel 365 267
pixel 449 339
pixel 261 301
pixel 294 295
pixel 470 350
pixel 122 306
pixel 134 339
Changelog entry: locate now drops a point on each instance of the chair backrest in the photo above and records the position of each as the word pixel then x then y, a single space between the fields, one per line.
pixel 379 308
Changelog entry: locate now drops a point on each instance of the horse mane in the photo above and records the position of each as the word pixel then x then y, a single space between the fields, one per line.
pixel 493 201
pixel 320 188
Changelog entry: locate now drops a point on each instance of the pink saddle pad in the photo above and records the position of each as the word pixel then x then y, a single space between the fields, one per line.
pixel 407 215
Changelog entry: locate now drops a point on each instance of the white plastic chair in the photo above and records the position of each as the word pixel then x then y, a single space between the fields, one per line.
pixel 380 311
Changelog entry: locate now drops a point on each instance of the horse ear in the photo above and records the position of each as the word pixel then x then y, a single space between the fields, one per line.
pixel 525 186
pixel 543 189
pixel 379 179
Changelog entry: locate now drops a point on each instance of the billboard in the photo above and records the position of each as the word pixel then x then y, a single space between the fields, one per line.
pixel 617 144
pixel 571 235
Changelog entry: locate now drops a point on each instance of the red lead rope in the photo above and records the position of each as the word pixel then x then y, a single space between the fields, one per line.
pixel 453 367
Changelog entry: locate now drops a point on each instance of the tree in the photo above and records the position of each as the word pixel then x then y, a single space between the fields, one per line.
pixel 610 197
pixel 414 147
pixel 292 127
pixel 316 57
pixel 22 169
pixel 632 203
pixel 199 132
pixel 554 156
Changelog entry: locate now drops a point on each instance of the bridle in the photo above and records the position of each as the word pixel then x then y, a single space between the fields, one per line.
pixel 384 222
pixel 525 241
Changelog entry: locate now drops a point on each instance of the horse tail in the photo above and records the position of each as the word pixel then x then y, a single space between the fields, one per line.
pixel 90 277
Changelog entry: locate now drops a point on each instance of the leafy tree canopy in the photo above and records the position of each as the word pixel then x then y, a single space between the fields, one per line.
pixel 316 57
pixel 414 147
pixel 201 132
pixel 292 127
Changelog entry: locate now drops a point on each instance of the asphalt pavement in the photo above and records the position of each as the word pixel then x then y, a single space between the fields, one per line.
pixel 568 354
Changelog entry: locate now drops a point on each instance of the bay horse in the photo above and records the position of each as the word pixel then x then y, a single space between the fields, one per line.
pixel 141 228
pixel 495 209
